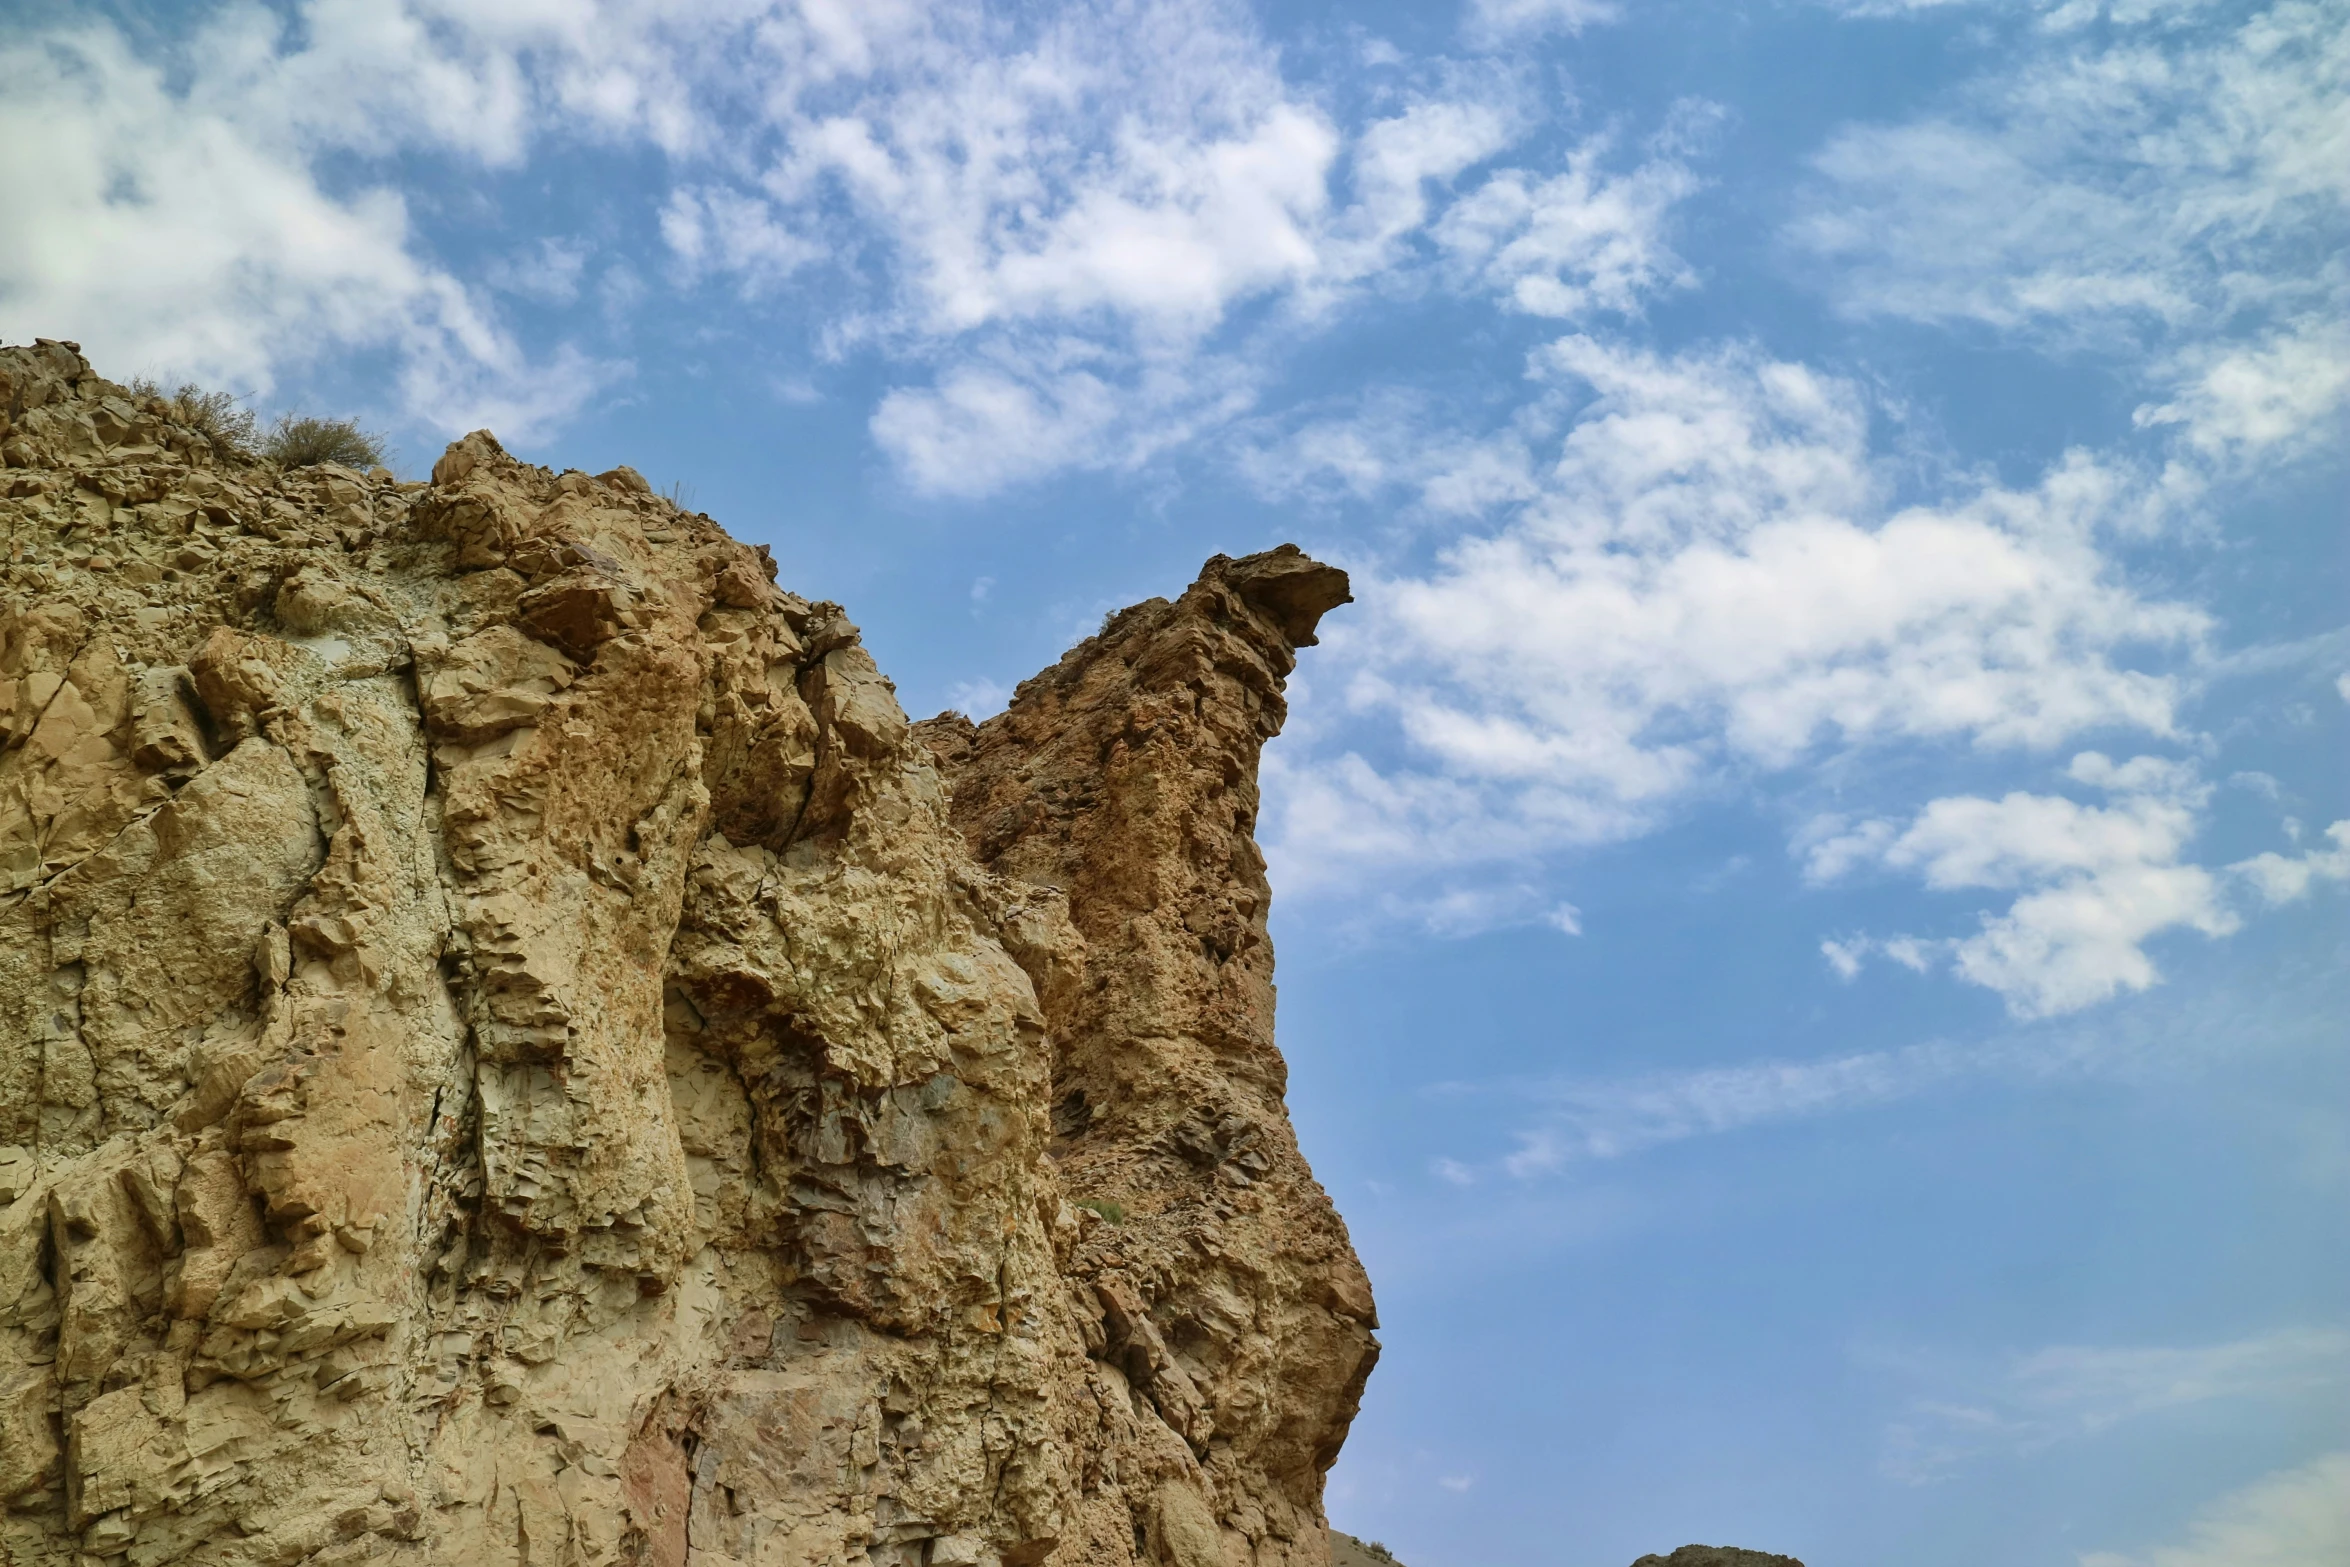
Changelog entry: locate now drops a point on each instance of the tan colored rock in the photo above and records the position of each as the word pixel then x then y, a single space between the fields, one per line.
pixel 1230 1305
pixel 518 1052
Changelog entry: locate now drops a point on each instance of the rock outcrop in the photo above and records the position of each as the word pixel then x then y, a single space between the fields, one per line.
pixel 516 1051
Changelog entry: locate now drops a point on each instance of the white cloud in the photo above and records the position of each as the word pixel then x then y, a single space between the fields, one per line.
pixel 1845 956
pixel 1557 1124
pixel 2281 878
pixel 1051 211
pixel 1690 568
pixel 2294 1518
pixel 1024 410
pixel 1499 21
pixel 978 699
pixel 718 230
pixel 1582 241
pixel 1395 160
pixel 2071 1392
pixel 2276 394
pixel 2159 186
pixel 1708 576
pixel 1146 161
pixel 1059 212
pixel 2096 882
pixel 1475 909
pixel 167 214
pixel 1452 1172
pixel 1584 1120
pixel 1071 222
pixel 1891 7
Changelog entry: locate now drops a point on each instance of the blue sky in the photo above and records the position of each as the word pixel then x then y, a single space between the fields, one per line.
pixel 1810 883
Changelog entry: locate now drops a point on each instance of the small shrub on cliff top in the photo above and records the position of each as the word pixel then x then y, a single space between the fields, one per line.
pixel 216 416
pixel 300 441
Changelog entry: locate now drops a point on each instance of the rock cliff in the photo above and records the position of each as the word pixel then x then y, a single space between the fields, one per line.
pixel 516 1051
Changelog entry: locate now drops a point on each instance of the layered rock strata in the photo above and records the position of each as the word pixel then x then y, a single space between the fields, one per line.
pixel 514 1050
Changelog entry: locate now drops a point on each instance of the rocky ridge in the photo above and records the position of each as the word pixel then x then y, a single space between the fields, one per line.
pixel 519 1052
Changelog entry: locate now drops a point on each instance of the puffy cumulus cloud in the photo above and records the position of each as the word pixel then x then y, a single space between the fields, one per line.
pixel 1396 160
pixel 1041 214
pixel 2096 882
pixel 169 212
pixel 1706 574
pixel 2171 184
pixel 718 230
pixel 2288 878
pixel 1071 209
pixel 1014 412
pixel 2293 1518
pixel 178 238
pixel 1584 240
pixel 2072 1391
pixel 1145 162
pixel 2276 394
pixel 484 79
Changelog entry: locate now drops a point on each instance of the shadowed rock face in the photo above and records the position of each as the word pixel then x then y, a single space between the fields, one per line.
pixel 517 1052
pixel 1231 1306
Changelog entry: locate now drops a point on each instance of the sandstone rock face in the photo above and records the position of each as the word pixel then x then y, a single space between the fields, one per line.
pixel 516 1051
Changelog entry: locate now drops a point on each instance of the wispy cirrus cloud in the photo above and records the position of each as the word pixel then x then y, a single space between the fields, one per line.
pixel 2165 185
pixel 1561 1126
pixel 2067 1393
pixel 2293 1518
pixel 1584 1121
pixel 1493 22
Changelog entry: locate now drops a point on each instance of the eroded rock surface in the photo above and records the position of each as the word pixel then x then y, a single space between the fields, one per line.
pixel 517 1052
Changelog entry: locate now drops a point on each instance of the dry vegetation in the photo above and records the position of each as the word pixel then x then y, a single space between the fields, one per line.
pixel 295 441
